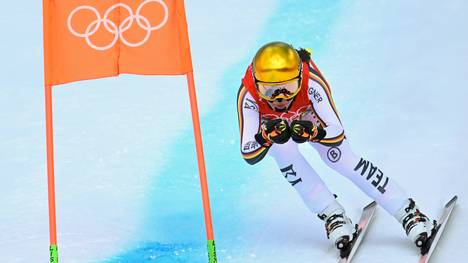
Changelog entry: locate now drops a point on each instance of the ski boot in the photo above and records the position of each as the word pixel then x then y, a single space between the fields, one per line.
pixel 340 229
pixel 419 228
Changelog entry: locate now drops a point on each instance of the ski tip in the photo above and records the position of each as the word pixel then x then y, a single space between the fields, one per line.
pixel 452 201
pixel 370 205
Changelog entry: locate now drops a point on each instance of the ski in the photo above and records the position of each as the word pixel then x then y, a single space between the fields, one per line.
pixel 429 248
pixel 366 218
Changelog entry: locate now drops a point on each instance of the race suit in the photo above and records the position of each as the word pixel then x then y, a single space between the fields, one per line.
pixel 313 103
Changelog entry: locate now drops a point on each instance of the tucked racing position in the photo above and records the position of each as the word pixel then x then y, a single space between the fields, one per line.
pixel 284 101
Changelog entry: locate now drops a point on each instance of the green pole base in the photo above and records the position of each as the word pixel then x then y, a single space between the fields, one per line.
pixel 212 252
pixel 53 254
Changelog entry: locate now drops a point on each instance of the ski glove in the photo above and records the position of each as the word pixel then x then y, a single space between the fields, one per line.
pixel 273 131
pixel 302 131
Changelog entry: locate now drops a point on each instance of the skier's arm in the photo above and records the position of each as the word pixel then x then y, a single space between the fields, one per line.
pixel 249 125
pixel 324 108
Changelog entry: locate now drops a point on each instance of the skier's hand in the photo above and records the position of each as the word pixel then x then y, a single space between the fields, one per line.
pixel 273 131
pixel 302 131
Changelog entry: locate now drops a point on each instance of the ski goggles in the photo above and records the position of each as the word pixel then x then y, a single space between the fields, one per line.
pixel 279 90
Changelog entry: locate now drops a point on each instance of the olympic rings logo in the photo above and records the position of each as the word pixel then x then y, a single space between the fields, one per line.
pixel 112 28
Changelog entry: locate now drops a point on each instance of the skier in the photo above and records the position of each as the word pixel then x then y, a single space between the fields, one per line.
pixel 283 101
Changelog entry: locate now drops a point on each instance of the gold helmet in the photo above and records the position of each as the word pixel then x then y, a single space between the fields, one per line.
pixel 276 62
pixel 277 71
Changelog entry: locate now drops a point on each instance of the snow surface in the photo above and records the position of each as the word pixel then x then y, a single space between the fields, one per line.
pixel 126 177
